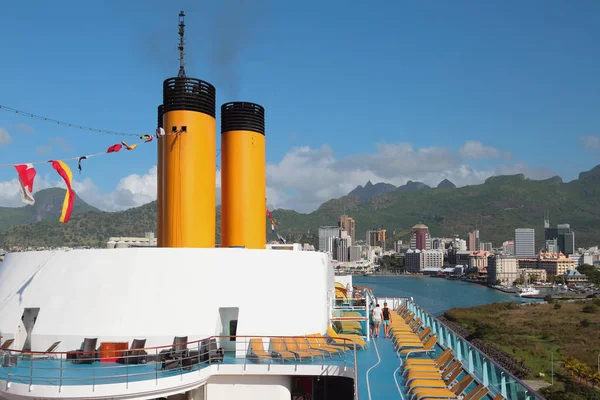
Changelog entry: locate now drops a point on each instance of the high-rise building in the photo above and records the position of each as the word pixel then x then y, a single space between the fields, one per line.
pixel 340 249
pixel 524 242
pixel 376 238
pixel 355 253
pixel 326 236
pixel 485 246
pixel 420 238
pixel 348 224
pixel 563 235
pixel 473 242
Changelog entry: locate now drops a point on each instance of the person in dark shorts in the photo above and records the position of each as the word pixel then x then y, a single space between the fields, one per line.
pixel 387 320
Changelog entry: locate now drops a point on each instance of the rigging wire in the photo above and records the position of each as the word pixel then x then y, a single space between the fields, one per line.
pixel 63 123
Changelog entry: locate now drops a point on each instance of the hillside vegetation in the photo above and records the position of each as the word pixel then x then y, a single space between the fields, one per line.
pixel 495 207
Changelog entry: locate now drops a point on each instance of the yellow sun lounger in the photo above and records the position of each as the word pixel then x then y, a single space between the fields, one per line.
pixel 454 368
pixel 409 336
pixel 445 360
pixel 428 361
pixel 349 338
pixel 422 393
pixel 411 341
pixel 292 345
pixel 257 349
pixel 279 350
pixel 425 348
pixel 318 342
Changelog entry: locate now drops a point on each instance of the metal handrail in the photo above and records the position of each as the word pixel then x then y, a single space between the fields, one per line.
pixel 183 357
pixel 498 366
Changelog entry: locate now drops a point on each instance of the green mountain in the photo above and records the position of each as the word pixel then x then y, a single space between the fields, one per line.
pixel 48 206
pixel 495 207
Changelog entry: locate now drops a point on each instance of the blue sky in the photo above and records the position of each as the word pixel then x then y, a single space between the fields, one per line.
pixel 409 90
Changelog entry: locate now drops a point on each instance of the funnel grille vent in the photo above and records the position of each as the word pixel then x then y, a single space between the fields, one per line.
pixel 189 94
pixel 242 116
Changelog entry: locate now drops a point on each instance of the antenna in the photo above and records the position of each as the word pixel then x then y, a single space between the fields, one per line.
pixel 181 42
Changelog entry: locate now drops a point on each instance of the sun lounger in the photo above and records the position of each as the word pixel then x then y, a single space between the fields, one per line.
pixel 136 353
pixel 317 342
pixel 425 348
pixel 7 344
pixel 436 375
pixel 257 350
pixel 293 345
pixel 443 364
pixel 421 393
pixel 86 354
pixel 428 361
pixel 477 394
pixel 42 355
pixel 279 350
pixel 338 338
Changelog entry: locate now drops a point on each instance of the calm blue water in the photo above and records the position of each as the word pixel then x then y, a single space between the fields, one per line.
pixel 436 295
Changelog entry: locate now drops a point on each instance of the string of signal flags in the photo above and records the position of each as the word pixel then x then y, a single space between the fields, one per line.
pixel 26 172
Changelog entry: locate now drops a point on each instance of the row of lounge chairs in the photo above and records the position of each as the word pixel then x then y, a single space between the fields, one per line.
pixel 298 348
pixel 178 356
pixel 426 378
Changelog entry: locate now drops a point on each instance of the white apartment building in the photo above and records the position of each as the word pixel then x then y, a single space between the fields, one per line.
pixel 524 242
pixel 417 260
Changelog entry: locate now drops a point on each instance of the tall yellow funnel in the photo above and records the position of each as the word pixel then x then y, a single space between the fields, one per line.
pixel 188 151
pixel 243 176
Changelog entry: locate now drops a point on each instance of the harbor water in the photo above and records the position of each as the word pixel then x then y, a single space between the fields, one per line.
pixel 436 295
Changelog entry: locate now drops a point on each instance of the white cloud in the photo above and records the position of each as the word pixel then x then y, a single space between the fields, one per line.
pixel 590 142
pixel 4 137
pixel 476 150
pixel 306 177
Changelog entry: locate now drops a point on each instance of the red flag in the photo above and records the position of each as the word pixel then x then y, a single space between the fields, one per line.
pixel 114 148
pixel 26 176
pixel 65 172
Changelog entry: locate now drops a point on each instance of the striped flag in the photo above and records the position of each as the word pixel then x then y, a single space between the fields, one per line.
pixel 26 176
pixel 65 172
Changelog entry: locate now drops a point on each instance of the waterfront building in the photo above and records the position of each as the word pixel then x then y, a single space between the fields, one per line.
pixel 349 225
pixel 552 263
pixel 122 242
pixel 420 238
pixel 418 260
pixel 326 236
pixel 533 275
pixel 573 276
pixel 525 242
pixel 502 268
pixel 479 260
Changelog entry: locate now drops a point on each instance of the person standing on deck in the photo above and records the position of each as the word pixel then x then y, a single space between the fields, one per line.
pixel 387 319
pixel 377 319
pixel 349 291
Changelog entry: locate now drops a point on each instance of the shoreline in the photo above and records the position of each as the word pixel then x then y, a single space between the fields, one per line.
pixel 555 296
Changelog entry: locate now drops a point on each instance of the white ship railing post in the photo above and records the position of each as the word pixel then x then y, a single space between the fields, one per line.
pixel 156 362
pixel 61 375
pixel 355 374
pixel 30 371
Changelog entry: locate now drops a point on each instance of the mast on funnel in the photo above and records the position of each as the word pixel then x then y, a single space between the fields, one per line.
pixel 181 41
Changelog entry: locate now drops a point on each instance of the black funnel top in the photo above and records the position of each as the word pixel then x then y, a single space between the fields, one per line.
pixel 242 116
pixel 189 94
